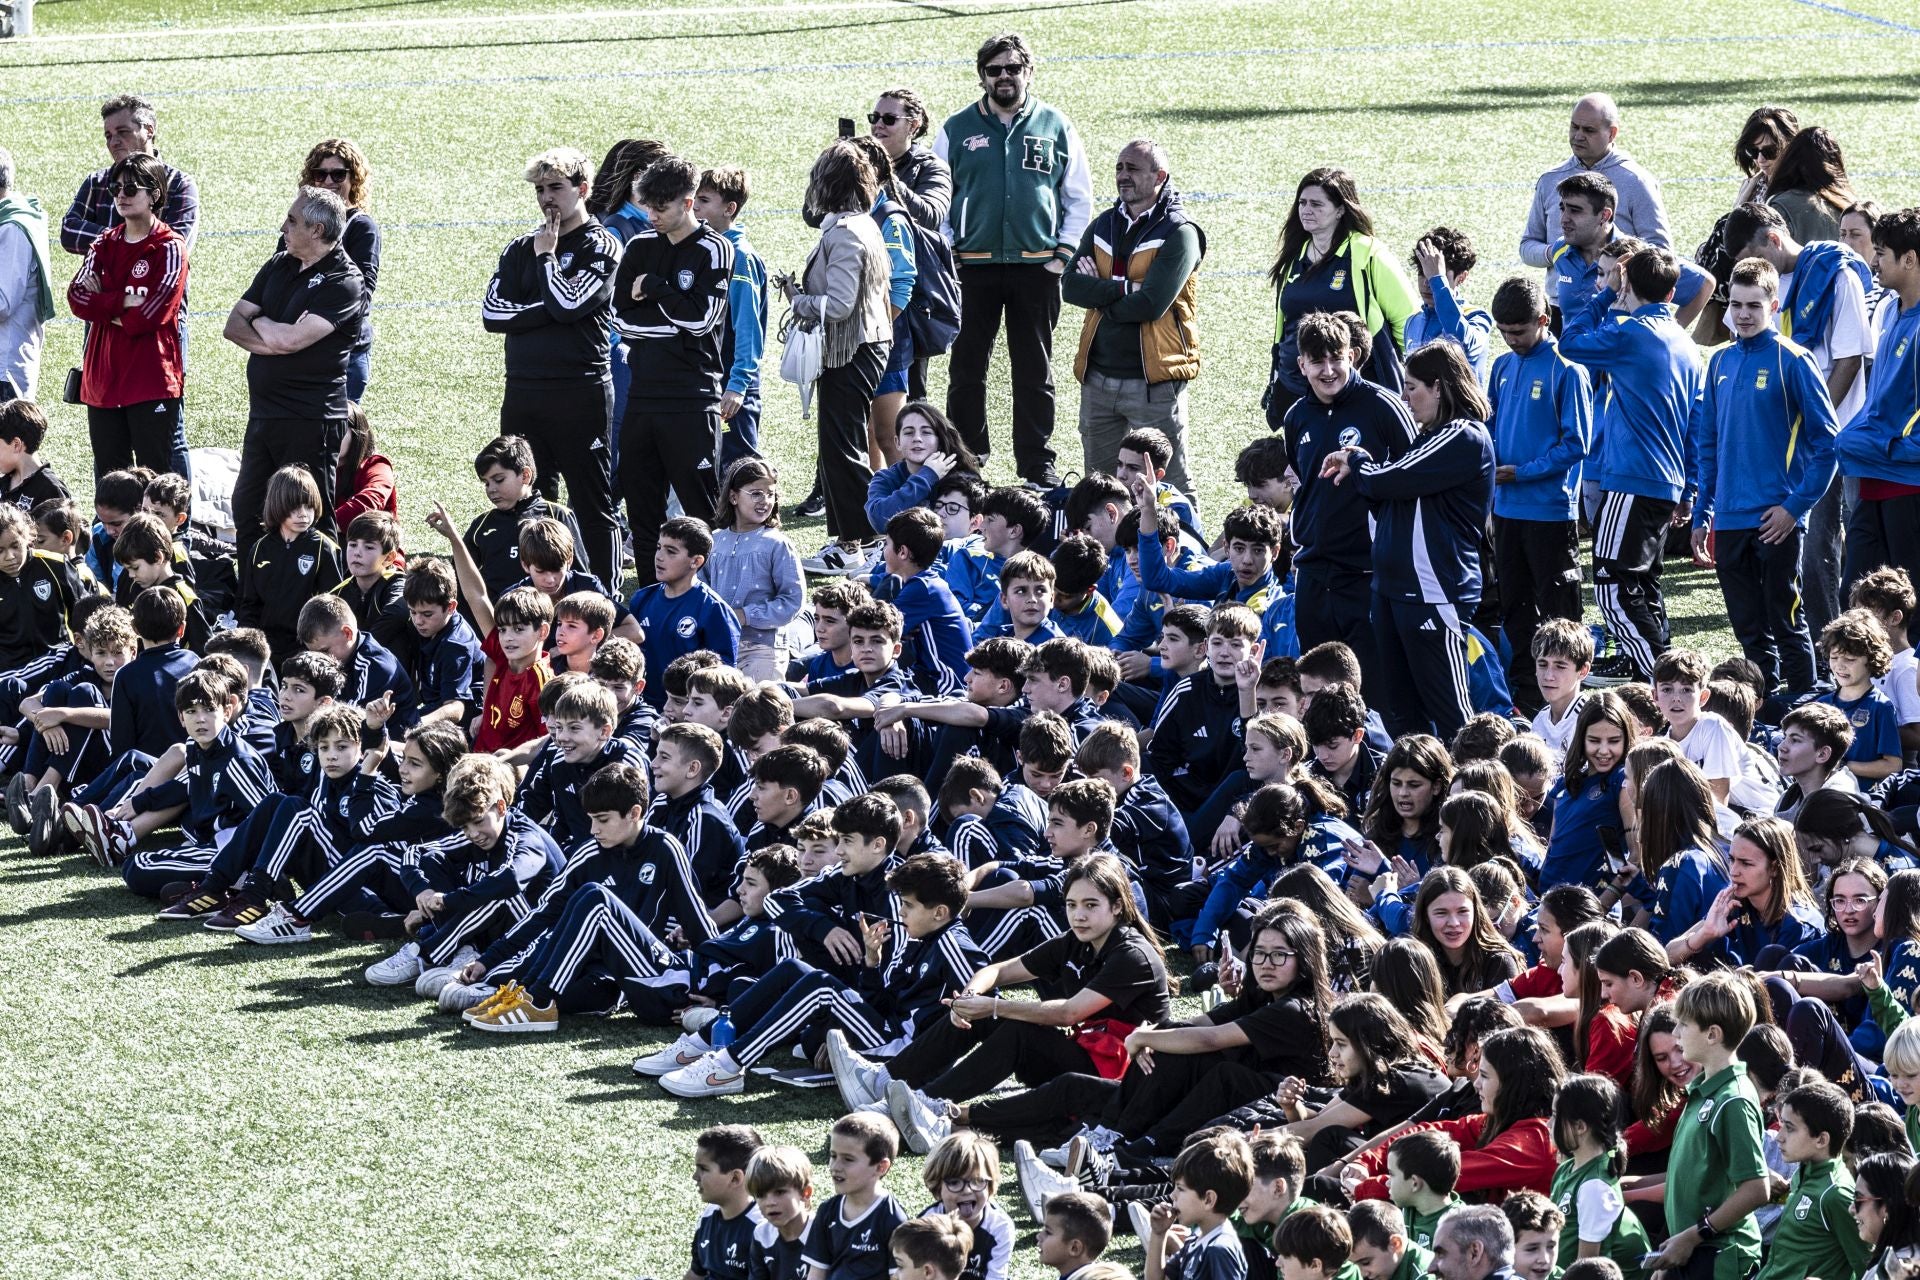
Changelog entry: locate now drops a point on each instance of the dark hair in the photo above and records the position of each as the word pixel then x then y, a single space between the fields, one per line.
pixel 1897 232
pixel 1092 490
pixel 120 490
pixel 1519 300
pixel 1653 1096
pixel 842 180
pixel 1084 1218
pixel 1442 364
pixel 931 879
pixel 1078 563
pixel 1222 1164
pixel 1261 460
pixel 741 474
pixel 1020 506
pixel 1314 1233
pixel 951 440
pixel 1336 712
pixel 617 788
pixel 614 179
pixel 1888 1176
pixel 1594 188
pixel 1823 1108
pixel 1749 222
pixel 159 615
pixel 691 533
pixel 1592 1100
pixel 1530 1070
pixel 1777 123
pixel 792 765
pixel 1812 162
pixel 1429 1155
pixel 143 538
pixel 1405 972
pixel 1084 801
pixel 512 453
pixel 1331 662
pixel 917 532
pixel 1313 890
pixel 1338 186
pixel 939 1240
pixel 667 180
pixel 1376 1222
pixel 1677 815
pixel 1476 969
pixel 1602 704
pixel 994 46
pixel 1379 1034
pixel 868 816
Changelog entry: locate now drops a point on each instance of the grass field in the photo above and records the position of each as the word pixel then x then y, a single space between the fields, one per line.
pixel 174 1105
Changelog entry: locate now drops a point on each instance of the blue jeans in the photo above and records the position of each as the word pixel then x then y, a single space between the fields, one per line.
pixel 740 434
pixel 359 367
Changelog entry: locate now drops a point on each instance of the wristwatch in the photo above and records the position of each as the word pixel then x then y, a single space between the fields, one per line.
pixel 1706 1228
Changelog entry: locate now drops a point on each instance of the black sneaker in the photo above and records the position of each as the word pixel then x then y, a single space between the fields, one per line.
pixel 1048 477
pixel 1204 976
pixel 816 504
pixel 367 926
pixel 1618 669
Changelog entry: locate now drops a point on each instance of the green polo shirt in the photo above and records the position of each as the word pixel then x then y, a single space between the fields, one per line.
pixel 1716 1147
pixel 1625 1244
pixel 1413 1263
pixel 1421 1226
pixel 1816 1234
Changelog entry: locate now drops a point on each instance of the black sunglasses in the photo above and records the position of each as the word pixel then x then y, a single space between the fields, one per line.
pixel 332 175
pixel 128 187
pixel 885 117
pixel 998 69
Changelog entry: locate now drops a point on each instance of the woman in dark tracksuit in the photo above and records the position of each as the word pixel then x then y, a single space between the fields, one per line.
pixel 1430 506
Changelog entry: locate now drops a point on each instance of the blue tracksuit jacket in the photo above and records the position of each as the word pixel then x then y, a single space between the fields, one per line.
pixel 1654 378
pixel 1542 428
pixel 1879 443
pixel 1330 525
pixel 1762 431
pixel 1431 505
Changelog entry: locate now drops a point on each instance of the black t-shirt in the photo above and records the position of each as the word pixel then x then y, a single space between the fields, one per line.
pixel 34 490
pixel 311 383
pixel 1404 1090
pixel 1284 1037
pixel 1127 971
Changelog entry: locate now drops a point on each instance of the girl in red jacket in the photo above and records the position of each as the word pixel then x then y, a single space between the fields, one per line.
pixel 1603 1035
pixel 129 291
pixel 1509 1145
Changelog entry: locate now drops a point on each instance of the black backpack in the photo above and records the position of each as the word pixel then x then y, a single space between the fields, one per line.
pixel 933 312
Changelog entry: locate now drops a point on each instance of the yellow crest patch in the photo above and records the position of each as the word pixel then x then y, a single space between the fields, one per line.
pixel 1340 278
pixel 1538 387
pixel 1760 380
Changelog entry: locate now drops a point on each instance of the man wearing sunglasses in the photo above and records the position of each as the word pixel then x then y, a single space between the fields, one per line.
pixel 130 124
pixel 1640 212
pixel 1022 196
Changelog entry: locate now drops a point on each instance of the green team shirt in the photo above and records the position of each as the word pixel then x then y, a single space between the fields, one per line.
pixel 1716 1147
pixel 1421 1226
pixel 1413 1263
pixel 1626 1244
pixel 1816 1234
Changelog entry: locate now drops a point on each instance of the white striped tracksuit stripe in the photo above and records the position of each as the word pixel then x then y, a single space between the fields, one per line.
pixel 825 995
pixel 602 922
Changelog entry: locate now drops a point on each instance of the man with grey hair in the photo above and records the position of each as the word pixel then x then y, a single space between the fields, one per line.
pixel 26 286
pixel 1139 345
pixel 1473 1242
pixel 297 321
pixel 130 124
pixel 1592 133
pixel 552 298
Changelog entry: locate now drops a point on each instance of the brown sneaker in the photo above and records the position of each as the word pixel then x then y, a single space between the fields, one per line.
pixel 241 907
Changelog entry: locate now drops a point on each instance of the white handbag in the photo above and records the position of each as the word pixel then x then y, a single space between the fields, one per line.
pixel 800 363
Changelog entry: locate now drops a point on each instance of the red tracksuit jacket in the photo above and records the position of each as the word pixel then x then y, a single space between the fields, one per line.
pixel 138 359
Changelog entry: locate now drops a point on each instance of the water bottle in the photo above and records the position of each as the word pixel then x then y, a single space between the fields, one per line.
pixel 720 1032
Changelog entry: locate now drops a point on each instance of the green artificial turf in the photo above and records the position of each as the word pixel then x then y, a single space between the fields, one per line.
pixel 181 1105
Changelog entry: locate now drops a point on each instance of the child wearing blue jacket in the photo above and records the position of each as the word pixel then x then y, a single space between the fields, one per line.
pixel 1285 823
pixel 935 632
pixel 718 201
pixel 1878 446
pixel 930 450
pixel 1653 379
pixel 1441 262
pixel 1763 431
pixel 1430 505
pixel 1542 430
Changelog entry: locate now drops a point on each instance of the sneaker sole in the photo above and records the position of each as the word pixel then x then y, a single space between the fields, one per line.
pixel 18 816
pixel 654 1070
pixel 384 981
pixel 272 939
pixel 900 1111
pixel 844 1076
pixel 513 1028
pixel 93 834
pixel 737 1085
pixel 43 823
pixel 1024 1164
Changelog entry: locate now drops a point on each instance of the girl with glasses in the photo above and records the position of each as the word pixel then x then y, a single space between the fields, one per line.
pixel 962 1174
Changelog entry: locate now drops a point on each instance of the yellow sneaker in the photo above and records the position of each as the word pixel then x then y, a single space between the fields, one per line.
pixel 521 1015
pixel 507 994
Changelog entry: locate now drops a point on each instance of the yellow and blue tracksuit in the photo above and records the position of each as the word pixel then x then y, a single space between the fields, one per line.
pixel 1879 447
pixel 1763 431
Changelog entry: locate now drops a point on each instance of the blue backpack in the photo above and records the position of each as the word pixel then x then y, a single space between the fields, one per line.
pixel 933 312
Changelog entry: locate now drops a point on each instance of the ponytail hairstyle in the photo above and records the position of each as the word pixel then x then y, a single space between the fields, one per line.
pixel 1529 1068
pixel 1592 1100
pixel 1602 704
pixel 1492 778
pixel 1278 809
pixel 1774 838
pixel 1406 973
pixel 1900 908
pixel 1676 814
pixel 1571 905
pixel 1379 1034
pixel 1582 946
pixel 1653 1097
pixel 1443 366
pixel 1476 830
pixel 1108 875
pixel 1419 753
pixel 1285 733
pixel 1630 951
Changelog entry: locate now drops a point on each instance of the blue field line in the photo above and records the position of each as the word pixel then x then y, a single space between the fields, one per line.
pixel 1857 16
pixel 816 68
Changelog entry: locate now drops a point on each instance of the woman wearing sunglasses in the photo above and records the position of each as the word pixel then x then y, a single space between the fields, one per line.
pixel 129 291
pixel 337 165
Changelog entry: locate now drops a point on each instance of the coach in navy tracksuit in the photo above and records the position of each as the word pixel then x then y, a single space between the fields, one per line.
pixel 1653 379
pixel 1333 566
pixel 1431 504
pixel 1763 432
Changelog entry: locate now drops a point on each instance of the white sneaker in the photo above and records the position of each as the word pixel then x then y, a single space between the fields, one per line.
pixel 275 928
pixel 1142 1219
pixel 684 1052
pixel 433 981
pixel 862 1082
pixel 699 1017
pixel 922 1121
pixel 837 560
pixel 1037 1182
pixel 398 969
pixel 458 997
pixel 709 1076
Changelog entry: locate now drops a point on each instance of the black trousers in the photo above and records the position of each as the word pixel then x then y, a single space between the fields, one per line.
pixel 662 447
pixel 1629 551
pixel 844 395
pixel 150 433
pixel 1335 604
pixel 1422 670
pixel 1537 563
pixel 1027 296
pixel 566 423
pixel 1183 1092
pixel 939 1063
pixel 272 443
pixel 1883 531
pixel 1761 584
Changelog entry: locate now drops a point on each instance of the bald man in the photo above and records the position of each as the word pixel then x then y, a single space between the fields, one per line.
pixel 1592 133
